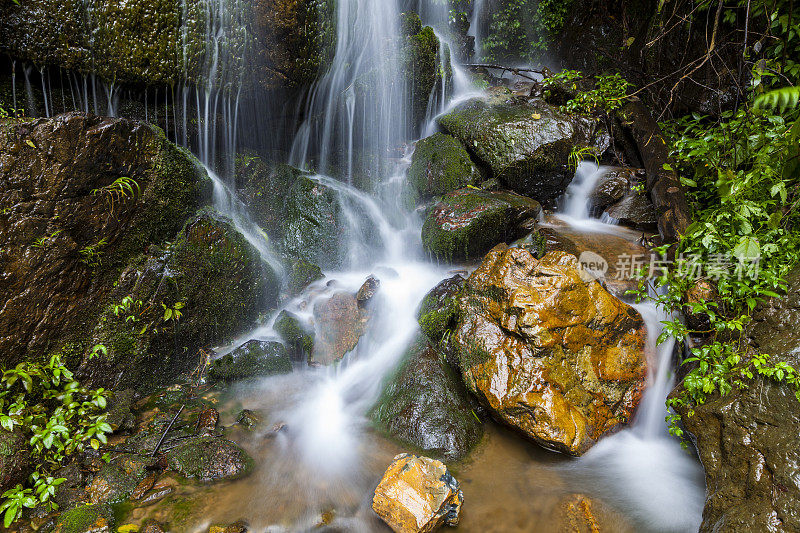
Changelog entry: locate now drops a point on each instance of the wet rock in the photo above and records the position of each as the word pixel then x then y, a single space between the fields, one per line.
pixel 368 290
pixel 579 516
pixel 65 234
pixel 748 440
pixel 426 62
pixel 339 324
pixel 116 480
pixel 210 459
pixel 548 350
pixel 298 341
pixel 144 485
pixel 612 187
pixel 440 164
pixel 207 421
pixel 15 459
pixel 417 494
pixel 526 145
pixel 424 403
pixel 635 210
pixel 119 414
pixel 151 526
pixel 466 223
pixel 86 519
pixel 237 527
pixel 251 359
pixel 313 225
pixel 438 309
pixel 248 419
pixel 210 274
pixel 302 273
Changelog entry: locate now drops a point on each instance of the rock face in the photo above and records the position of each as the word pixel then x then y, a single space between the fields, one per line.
pixel 440 164
pixel 80 196
pixel 251 359
pixel 611 188
pixel 749 440
pixel 15 460
pixel 526 145
pixel 548 350
pixel 635 210
pixel 287 41
pixel 339 323
pixel 466 223
pixel 425 404
pixel 417 495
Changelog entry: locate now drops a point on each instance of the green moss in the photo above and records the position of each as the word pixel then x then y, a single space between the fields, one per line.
pixel 440 165
pixel 84 519
pixel 254 358
pixel 299 341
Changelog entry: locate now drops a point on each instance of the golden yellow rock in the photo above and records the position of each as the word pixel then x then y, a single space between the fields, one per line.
pixel 547 349
pixel 417 495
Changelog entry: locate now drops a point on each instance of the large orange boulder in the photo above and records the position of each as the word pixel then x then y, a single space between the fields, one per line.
pixel 547 349
pixel 417 495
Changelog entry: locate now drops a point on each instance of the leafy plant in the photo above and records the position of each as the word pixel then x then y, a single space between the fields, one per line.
pixel 609 92
pixel 43 242
pixel 121 188
pixel 174 312
pixel 57 416
pixel 92 255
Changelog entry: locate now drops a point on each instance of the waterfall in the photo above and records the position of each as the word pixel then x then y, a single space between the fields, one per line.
pixel 360 105
pixel 475 30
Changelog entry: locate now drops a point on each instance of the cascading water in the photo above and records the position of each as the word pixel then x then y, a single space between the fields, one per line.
pixel 663 484
pixel 476 30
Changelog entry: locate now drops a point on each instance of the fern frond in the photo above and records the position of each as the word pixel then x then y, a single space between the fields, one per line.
pixel 781 99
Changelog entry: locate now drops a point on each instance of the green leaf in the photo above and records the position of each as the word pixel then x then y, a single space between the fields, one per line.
pixel 747 249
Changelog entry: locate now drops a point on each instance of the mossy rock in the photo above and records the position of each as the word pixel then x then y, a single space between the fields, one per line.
pixel 253 358
pixel 437 312
pixel 217 277
pixel 424 404
pixel 440 164
pixel 86 519
pixel 302 273
pixel 299 341
pixel 467 223
pixel 527 145
pixel 313 223
pixel 210 459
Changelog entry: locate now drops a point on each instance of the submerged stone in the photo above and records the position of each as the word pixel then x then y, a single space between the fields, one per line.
pixel 527 145
pixel 251 359
pixel 466 223
pixel 424 403
pixel 417 495
pixel 548 350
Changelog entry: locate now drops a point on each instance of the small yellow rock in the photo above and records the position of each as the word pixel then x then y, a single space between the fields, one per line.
pixel 417 495
pixel 128 528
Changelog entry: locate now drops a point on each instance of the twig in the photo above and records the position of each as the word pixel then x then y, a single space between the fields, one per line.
pixel 516 70
pixel 161 440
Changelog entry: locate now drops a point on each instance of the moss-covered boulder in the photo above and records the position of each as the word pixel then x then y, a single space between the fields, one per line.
pixel 466 223
pixel 210 274
pixel 313 223
pixel 210 459
pixel 440 164
pixel 299 339
pixel 15 459
pixel 438 310
pixel 251 359
pixel 80 197
pixel 548 350
pixel 86 519
pixel 527 145
pixel 426 62
pixel 425 405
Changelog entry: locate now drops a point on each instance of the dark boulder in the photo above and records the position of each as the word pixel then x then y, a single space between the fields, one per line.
pixel 253 358
pixel 299 341
pixel 635 210
pixel 425 405
pixel 526 145
pixel 749 440
pixel 466 223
